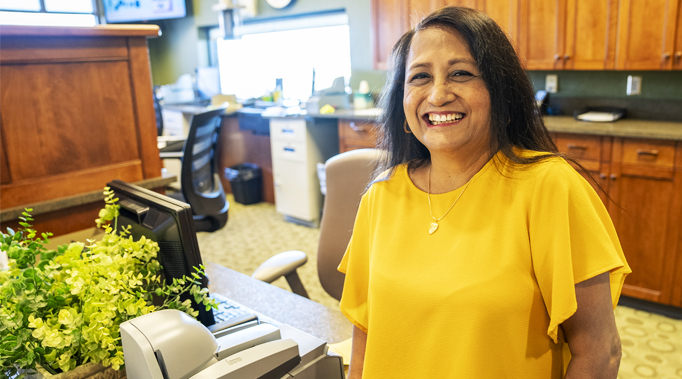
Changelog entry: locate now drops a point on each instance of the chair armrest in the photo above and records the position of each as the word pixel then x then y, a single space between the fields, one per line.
pixel 280 265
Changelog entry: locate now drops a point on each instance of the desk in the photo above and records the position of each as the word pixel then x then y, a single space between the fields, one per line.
pixel 301 313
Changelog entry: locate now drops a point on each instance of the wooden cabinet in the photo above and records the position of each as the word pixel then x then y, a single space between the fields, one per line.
pixel 646 34
pixel 355 134
pixel 559 34
pixel 677 55
pixel 643 179
pixel 644 187
pixel 389 23
pixel 77 112
pixel 567 34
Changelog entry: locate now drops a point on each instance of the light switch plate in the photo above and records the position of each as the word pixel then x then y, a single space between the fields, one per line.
pixel 552 83
pixel 634 85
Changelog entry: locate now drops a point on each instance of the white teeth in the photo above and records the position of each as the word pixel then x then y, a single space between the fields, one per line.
pixel 436 119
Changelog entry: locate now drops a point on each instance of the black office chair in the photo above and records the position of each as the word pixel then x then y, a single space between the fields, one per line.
pixel 201 188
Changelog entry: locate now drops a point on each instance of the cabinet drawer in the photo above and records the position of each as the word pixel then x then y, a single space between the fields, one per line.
pixel 585 149
pixel 287 130
pixel 579 147
pixel 359 132
pixel 656 153
pixel 289 151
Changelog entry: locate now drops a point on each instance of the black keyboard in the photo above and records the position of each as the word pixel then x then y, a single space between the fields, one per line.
pixel 230 314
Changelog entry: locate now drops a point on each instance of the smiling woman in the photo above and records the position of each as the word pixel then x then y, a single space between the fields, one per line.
pixel 478 250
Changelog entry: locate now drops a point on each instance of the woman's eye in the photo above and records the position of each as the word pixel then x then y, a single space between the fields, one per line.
pixel 462 76
pixel 419 76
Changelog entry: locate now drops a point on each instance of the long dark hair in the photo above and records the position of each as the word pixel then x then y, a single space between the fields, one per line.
pixel 515 120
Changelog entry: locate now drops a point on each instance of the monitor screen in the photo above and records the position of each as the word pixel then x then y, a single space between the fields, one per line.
pixel 143 10
pixel 169 222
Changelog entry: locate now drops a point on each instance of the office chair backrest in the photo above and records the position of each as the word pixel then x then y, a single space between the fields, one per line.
pixel 347 176
pixel 200 187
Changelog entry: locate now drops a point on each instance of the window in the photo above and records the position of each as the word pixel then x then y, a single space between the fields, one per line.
pixel 48 12
pixel 290 49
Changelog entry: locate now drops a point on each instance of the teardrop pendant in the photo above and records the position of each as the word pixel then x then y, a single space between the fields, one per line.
pixel 433 228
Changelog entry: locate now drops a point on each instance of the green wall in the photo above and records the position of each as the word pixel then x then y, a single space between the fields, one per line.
pixel 655 84
pixel 182 48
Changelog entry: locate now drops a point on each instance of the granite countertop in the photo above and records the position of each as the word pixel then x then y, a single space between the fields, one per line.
pixel 626 127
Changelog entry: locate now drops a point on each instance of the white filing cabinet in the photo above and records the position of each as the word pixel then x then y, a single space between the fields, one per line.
pixel 297 146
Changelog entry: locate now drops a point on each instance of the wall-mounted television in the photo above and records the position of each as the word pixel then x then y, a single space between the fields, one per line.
pixel 143 10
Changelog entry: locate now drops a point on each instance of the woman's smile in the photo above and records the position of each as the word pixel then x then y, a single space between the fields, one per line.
pixel 442 118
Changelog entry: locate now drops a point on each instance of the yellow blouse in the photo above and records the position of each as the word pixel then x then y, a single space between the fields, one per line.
pixel 484 295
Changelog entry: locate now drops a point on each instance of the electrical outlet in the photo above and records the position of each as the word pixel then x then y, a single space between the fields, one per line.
pixel 552 83
pixel 634 85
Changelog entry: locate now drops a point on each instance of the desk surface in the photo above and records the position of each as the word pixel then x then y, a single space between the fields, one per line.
pixel 301 313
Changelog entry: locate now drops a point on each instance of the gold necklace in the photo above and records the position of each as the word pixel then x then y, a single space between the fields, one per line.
pixel 434 224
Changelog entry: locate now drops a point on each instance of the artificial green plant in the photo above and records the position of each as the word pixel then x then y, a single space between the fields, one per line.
pixel 60 309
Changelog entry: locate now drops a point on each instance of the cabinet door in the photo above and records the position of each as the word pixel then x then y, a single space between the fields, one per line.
pixel 505 14
pixel 590 35
pixel 418 9
pixel 677 56
pixel 644 188
pixel 390 22
pixel 541 29
pixel 646 32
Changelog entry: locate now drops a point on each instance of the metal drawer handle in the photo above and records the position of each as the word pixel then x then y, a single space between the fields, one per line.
pixel 356 128
pixel 647 152
pixel 574 146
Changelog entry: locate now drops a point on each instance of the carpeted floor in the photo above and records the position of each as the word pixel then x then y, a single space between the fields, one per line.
pixel 652 344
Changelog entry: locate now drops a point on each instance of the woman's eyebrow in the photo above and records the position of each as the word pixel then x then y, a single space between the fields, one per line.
pixel 451 62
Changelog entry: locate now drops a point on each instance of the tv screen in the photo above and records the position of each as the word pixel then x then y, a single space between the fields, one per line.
pixel 143 10
pixel 169 222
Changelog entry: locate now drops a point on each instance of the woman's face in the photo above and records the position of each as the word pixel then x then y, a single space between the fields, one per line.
pixel 446 102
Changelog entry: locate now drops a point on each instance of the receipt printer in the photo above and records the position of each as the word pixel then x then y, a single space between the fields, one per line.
pixel 170 344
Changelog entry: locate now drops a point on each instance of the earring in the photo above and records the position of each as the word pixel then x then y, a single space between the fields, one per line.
pixel 406 128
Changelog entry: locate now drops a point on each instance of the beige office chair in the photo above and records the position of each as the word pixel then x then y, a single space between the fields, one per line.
pixel 347 176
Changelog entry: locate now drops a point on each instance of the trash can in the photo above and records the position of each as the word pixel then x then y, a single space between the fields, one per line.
pixel 246 181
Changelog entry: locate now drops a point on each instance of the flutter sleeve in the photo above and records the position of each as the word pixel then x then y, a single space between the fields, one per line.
pixel 572 239
pixel 355 264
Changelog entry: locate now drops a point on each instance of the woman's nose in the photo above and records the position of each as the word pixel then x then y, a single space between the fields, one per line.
pixel 441 94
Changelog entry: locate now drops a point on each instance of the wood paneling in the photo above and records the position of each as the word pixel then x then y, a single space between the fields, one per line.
pixel 58 49
pixel 71 183
pixel 5 174
pixel 145 117
pixel 80 217
pixel 77 112
pixel 59 118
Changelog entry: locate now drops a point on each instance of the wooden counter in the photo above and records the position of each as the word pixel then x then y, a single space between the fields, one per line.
pixel 77 112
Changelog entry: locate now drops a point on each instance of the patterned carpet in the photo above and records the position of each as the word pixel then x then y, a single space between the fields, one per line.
pixel 652 344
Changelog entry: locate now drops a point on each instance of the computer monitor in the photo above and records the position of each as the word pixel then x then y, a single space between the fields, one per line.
pixel 143 10
pixel 169 222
